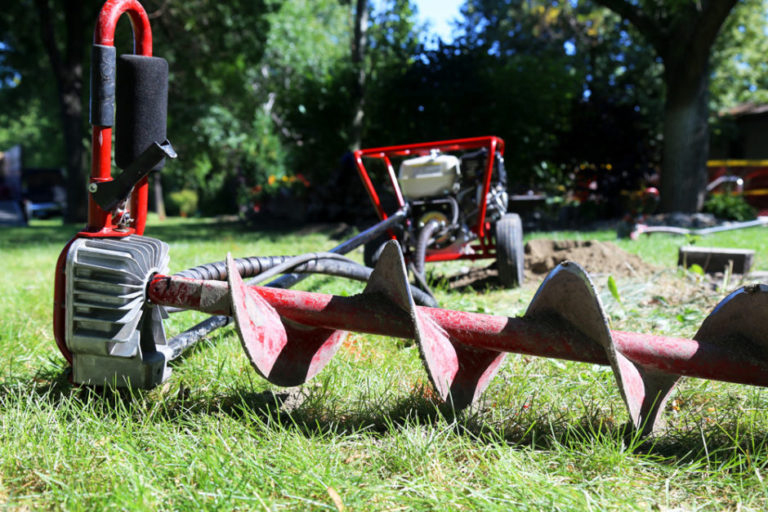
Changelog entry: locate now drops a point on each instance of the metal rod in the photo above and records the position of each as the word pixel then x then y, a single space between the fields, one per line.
pixel 642 229
pixel 550 338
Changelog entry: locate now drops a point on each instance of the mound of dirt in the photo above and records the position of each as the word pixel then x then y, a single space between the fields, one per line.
pixel 596 257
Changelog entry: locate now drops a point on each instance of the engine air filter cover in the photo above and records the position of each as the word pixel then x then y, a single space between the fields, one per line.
pixel 429 176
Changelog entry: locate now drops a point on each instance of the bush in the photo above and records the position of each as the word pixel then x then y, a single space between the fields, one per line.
pixel 183 202
pixel 729 207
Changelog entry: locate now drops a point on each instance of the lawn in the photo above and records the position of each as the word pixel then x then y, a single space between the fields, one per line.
pixel 366 434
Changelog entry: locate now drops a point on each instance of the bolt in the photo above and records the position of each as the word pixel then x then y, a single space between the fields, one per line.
pixel 92 188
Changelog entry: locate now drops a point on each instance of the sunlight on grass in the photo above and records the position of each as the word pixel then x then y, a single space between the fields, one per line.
pixel 547 435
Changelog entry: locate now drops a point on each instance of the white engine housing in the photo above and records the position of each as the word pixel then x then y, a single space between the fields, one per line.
pixel 429 176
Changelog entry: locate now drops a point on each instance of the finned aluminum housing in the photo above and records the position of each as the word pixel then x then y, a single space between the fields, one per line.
pixel 114 335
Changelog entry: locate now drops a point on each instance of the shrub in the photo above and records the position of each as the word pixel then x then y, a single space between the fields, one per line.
pixel 729 207
pixel 183 202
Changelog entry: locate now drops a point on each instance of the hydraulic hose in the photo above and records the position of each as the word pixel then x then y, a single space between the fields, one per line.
pixel 397 218
pixel 262 268
pixel 425 235
pixel 269 266
pixel 421 281
pixel 257 266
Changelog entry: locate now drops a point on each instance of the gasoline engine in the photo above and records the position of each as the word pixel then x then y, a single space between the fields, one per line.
pixel 445 193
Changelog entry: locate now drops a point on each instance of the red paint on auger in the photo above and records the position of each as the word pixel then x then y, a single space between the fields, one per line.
pixel 463 350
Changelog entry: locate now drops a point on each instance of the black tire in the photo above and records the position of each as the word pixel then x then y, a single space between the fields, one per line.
pixel 509 250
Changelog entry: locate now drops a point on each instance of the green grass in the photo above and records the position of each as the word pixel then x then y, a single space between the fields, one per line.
pixel 548 434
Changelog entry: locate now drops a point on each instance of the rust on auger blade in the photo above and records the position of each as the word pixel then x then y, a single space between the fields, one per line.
pixel 290 335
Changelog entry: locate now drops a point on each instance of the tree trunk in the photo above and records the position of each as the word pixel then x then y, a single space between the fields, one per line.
pixel 157 189
pixel 67 67
pixel 359 43
pixel 686 140
pixel 682 34
pixel 72 123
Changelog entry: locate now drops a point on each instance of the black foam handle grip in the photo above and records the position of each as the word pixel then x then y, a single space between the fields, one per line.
pixel 142 104
pixel 103 85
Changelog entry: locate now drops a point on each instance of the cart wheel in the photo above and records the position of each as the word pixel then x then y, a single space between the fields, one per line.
pixel 509 250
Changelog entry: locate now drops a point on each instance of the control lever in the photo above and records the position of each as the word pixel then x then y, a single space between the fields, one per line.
pixel 109 194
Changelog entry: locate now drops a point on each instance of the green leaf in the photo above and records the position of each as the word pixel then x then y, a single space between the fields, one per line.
pixel 614 289
pixel 696 269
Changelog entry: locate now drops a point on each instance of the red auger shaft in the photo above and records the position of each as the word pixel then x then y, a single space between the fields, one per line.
pixel 519 335
pixel 289 336
pixel 553 338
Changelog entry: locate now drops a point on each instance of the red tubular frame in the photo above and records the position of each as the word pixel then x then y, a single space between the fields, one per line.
pixel 493 144
pixel 100 223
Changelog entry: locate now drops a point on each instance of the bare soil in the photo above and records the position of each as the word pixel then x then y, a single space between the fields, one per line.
pixel 541 256
pixel 596 257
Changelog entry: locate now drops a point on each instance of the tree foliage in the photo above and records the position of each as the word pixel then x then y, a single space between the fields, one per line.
pixel 214 50
pixel 44 52
pixel 588 91
pixel 264 90
pixel 739 65
pixel 28 116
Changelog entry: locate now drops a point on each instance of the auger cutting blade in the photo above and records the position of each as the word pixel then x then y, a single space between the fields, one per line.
pixel 739 323
pixel 284 352
pixel 458 373
pixel 568 294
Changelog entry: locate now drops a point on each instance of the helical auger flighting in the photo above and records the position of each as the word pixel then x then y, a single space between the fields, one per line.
pixel 290 335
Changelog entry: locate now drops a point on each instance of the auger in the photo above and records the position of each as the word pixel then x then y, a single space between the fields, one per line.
pixel 113 290
pixel 290 335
